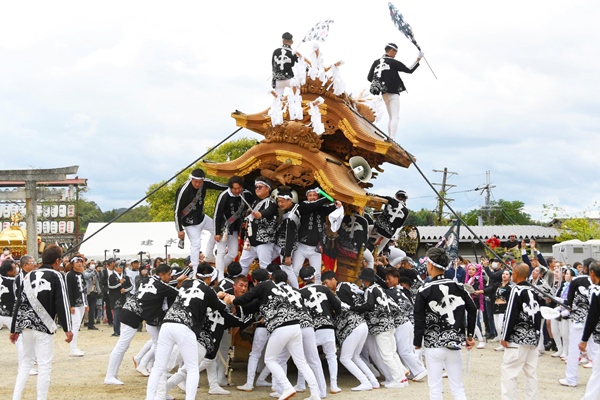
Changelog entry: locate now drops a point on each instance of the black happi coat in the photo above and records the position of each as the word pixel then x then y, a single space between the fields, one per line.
pixel 385 70
pixel 592 322
pixel 287 231
pixel 348 320
pixel 392 217
pixel 263 229
pixel 185 195
pixel 322 305
pixel 377 310
pixel 279 305
pixel 441 306
pixel 7 296
pixel 118 299
pixel 52 294
pixel 523 319
pixel 578 297
pixel 191 305
pixel 283 61
pixel 77 289
pixel 312 221
pixel 147 303
pixel 228 207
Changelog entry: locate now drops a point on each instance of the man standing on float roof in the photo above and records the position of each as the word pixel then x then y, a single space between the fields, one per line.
pixel 385 79
pixel 283 61
pixel 189 213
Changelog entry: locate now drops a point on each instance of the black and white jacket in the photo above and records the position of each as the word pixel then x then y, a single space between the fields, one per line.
pixel 404 310
pixel 190 307
pixel 263 229
pixel 522 321
pixel 348 320
pixel 229 211
pixel 215 324
pixel 441 306
pixel 7 296
pixel 313 221
pixel 283 61
pixel 287 231
pixel 51 290
pixel 354 232
pixel 592 322
pixel 322 305
pixel 392 217
pixel 578 298
pixel 185 195
pixel 385 70
pixel 279 305
pixel 77 289
pixel 148 304
pixel 118 299
pixel 376 310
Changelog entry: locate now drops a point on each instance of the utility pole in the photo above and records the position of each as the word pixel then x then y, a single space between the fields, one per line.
pixel 443 192
pixel 488 193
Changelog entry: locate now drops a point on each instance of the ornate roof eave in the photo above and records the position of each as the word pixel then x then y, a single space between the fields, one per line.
pixel 329 171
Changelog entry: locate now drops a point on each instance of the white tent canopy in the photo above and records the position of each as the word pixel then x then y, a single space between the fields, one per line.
pixel 132 237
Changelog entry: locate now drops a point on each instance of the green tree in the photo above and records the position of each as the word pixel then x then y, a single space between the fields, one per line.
pixel 423 217
pixel 574 226
pixel 137 214
pixel 88 212
pixel 501 212
pixel 162 202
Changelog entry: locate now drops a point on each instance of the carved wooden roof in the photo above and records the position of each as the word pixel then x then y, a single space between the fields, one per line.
pixel 294 155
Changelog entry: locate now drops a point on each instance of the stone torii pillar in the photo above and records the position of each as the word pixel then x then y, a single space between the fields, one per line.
pixel 31 177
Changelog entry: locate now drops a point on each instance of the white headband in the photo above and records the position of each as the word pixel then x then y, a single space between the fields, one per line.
pixel 284 196
pixel 195 177
pixel 436 264
pixel 313 190
pixel 204 276
pixel 308 278
pixel 263 182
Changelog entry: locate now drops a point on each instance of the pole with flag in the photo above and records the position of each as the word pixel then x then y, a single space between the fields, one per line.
pixel 405 28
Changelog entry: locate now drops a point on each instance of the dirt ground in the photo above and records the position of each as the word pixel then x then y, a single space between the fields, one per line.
pixel 82 378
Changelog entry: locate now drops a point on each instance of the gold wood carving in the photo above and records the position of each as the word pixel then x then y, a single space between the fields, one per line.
pixel 347 130
pixel 294 133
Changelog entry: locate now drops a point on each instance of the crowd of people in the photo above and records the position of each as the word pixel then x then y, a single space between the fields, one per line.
pixel 394 325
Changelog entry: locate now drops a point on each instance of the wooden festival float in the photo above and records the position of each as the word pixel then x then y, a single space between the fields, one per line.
pixel 292 154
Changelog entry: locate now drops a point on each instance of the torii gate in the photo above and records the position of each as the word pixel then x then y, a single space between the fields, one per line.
pixel 31 177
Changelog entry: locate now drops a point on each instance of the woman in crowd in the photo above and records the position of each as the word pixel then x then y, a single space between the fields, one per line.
pixel 474 278
pixel 563 292
pixel 500 294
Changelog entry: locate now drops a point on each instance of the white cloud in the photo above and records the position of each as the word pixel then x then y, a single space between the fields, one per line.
pixel 134 91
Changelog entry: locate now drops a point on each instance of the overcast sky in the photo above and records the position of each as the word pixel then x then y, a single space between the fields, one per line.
pixel 134 91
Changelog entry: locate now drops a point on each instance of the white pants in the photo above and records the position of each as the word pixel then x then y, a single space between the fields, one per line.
pixel 227 251
pixel 350 355
pixel 592 390
pixel 565 326
pixel 37 347
pixel 404 343
pixel 76 318
pixel 517 359
pixel 281 85
pixel 7 321
pixel 396 256
pixel 368 257
pixel 392 104
pixel 498 323
pixel 121 347
pixel 194 233
pixel 575 334
pixel 382 242
pixel 290 338
pixel 557 335
pixel 326 339
pixel 437 359
pixel 264 253
pixel 261 335
pixel 171 334
pixel 153 331
pixel 386 342
pixel 306 252
pixel 373 352
pixel 309 343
